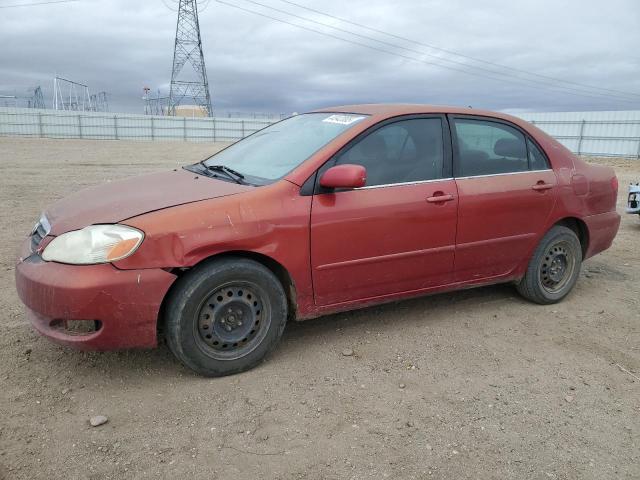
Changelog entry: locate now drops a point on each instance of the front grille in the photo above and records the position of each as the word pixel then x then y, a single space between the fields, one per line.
pixel 40 231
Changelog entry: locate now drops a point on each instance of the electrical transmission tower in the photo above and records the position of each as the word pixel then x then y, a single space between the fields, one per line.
pixel 36 100
pixel 155 105
pixel 99 102
pixel 187 83
pixel 70 95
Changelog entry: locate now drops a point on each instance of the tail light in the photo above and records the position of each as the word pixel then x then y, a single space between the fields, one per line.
pixel 614 185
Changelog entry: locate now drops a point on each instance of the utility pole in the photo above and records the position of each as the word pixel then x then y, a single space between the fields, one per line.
pixel 191 84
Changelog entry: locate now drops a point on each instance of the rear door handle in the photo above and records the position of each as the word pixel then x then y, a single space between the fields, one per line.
pixel 440 198
pixel 542 186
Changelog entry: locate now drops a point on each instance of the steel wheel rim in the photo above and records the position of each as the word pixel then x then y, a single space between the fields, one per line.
pixel 232 320
pixel 557 267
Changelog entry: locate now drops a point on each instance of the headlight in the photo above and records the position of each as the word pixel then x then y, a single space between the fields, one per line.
pixel 94 244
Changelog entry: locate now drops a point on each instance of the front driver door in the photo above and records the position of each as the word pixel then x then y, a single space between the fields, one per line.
pixel 396 234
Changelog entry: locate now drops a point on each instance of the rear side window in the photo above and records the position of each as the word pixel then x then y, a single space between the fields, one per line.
pixel 489 148
pixel 403 151
pixel 537 160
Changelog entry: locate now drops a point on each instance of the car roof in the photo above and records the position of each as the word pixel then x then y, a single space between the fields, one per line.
pixel 387 110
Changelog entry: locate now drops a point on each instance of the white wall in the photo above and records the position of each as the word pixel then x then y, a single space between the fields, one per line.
pixel 119 126
pixel 615 134
pixel 586 133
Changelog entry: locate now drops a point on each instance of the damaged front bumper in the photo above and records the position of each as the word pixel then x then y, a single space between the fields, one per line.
pixel 92 307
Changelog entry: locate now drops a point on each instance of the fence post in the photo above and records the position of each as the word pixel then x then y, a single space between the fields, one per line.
pixel 80 125
pixel 242 128
pixel 153 129
pixel 115 126
pixel 580 138
pixel 638 148
pixel 214 130
pixel 184 129
pixel 40 132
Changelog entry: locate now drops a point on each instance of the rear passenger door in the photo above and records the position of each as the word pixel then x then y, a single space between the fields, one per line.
pixel 506 193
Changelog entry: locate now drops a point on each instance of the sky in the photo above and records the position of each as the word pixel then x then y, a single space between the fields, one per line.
pixel 257 64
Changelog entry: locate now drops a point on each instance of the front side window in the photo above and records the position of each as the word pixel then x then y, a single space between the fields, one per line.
pixel 489 148
pixel 271 153
pixel 404 151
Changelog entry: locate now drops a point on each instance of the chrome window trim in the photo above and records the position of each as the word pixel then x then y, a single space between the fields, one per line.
pixel 400 184
pixel 502 174
pixel 419 182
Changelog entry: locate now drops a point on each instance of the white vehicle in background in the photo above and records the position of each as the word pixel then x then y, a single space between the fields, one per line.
pixel 633 203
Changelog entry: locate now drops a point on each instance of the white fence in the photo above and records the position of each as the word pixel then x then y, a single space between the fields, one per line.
pixel 600 134
pixel 119 126
pixel 615 134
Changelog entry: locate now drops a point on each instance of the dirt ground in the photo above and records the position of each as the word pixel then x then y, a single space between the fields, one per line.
pixel 477 384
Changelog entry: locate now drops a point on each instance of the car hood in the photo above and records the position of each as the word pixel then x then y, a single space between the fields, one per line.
pixel 116 201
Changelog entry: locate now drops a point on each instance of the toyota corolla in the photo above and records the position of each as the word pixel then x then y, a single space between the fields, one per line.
pixel 322 212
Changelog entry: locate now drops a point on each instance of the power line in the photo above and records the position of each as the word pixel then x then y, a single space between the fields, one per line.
pixel 407 57
pixel 461 64
pixel 593 92
pixel 452 52
pixel 37 3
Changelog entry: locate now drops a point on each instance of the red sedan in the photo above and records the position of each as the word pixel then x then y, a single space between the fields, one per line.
pixel 323 212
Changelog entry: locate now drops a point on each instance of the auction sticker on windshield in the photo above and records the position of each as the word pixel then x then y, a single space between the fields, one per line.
pixel 343 119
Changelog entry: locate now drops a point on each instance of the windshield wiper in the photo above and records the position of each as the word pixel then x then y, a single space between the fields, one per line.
pixel 229 172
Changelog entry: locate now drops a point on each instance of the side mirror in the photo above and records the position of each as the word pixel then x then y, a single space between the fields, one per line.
pixel 344 176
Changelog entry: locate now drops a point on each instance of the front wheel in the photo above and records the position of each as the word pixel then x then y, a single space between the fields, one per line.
pixel 224 316
pixel 554 267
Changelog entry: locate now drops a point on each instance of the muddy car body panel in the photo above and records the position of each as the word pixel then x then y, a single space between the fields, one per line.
pixel 116 201
pixel 124 303
pixel 333 250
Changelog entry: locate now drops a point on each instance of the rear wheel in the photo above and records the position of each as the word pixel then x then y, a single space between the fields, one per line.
pixel 225 316
pixel 554 267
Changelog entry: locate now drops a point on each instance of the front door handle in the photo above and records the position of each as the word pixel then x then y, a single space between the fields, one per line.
pixel 541 186
pixel 439 197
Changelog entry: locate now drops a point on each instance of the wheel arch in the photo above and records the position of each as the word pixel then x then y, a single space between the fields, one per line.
pixel 283 275
pixel 581 230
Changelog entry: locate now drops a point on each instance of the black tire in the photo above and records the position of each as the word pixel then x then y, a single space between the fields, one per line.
pixel 225 316
pixel 554 268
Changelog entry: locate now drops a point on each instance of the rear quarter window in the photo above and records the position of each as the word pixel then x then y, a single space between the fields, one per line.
pixel 537 159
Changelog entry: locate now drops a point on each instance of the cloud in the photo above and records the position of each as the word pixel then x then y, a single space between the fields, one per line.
pixel 258 64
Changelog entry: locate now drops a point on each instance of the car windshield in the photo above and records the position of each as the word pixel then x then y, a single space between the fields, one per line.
pixel 272 152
